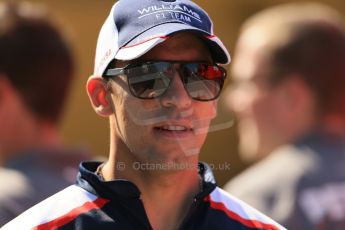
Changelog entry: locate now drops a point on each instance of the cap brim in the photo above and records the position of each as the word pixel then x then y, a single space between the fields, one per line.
pixel 144 42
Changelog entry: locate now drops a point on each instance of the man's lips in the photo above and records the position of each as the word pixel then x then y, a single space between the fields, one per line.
pixel 174 130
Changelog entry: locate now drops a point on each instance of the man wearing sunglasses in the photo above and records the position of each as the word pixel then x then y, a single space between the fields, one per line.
pixel 157 80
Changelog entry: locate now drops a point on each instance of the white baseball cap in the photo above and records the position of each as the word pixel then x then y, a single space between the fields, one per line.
pixel 134 27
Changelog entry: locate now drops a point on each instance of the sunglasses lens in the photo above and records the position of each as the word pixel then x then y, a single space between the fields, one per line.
pixel 149 80
pixel 203 81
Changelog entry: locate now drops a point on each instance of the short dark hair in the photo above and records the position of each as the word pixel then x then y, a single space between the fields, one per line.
pixel 306 39
pixel 315 51
pixel 35 58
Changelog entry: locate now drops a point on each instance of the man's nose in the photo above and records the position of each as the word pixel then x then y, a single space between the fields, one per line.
pixel 238 100
pixel 176 95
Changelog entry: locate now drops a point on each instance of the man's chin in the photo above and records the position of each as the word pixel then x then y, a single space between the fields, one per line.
pixel 251 150
pixel 171 164
pixel 248 152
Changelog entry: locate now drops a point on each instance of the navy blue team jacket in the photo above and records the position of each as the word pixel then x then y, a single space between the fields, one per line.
pixel 94 204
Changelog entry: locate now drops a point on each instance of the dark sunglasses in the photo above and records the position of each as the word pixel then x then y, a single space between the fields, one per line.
pixel 151 79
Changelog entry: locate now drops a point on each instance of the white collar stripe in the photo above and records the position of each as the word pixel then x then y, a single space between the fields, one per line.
pixel 240 211
pixel 75 200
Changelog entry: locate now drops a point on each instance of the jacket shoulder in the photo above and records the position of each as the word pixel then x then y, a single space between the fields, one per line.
pixel 241 212
pixel 54 209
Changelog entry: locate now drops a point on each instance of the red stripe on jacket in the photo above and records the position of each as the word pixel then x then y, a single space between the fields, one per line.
pixel 62 220
pixel 235 216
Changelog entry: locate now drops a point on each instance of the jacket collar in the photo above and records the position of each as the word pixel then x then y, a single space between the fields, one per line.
pixel 90 181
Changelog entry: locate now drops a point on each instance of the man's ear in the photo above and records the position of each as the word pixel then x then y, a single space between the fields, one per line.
pixel 99 95
pixel 297 92
pixel 296 99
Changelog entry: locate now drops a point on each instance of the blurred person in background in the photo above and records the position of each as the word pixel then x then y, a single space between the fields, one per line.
pixel 157 79
pixel 36 69
pixel 289 97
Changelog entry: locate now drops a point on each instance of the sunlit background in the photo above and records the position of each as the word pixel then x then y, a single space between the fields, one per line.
pixel 82 128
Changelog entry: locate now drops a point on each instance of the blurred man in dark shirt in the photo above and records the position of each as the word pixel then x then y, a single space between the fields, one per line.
pixel 289 94
pixel 36 69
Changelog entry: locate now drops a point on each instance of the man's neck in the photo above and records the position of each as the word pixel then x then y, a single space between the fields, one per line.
pixel 167 203
pixel 167 195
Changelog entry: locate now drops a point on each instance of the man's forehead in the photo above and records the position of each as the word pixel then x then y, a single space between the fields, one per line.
pixel 247 62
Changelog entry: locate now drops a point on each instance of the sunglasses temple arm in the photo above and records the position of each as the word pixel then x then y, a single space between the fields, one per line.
pixel 114 72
